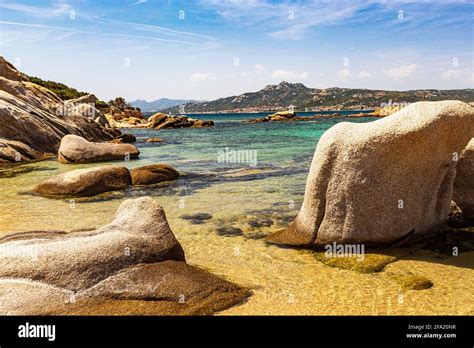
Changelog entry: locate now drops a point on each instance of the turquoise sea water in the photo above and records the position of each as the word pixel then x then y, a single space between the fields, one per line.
pixel 276 144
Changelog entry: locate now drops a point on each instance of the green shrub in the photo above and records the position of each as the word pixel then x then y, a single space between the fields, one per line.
pixel 64 92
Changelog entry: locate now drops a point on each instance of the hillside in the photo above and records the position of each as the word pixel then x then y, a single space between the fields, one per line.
pixel 281 96
pixel 159 104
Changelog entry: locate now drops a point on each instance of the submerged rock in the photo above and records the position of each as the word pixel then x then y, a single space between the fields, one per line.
pixel 364 263
pixel 85 182
pixel 153 174
pixel 229 231
pixel 463 190
pixel 197 218
pixel 410 281
pixel 134 265
pixel 384 182
pixel 74 149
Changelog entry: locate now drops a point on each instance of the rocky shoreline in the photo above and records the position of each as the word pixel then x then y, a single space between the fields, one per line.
pixel 291 116
pixel 396 181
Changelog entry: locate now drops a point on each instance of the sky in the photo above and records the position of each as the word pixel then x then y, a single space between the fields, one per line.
pixel 208 49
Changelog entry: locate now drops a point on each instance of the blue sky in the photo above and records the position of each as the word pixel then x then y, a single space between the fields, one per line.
pixel 206 49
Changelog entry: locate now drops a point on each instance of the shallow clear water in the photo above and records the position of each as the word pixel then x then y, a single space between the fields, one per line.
pixel 245 196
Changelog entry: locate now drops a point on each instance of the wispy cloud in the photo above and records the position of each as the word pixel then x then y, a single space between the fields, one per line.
pixel 285 19
pixel 197 77
pixel 288 19
pixel 139 2
pixel 290 75
pixel 451 74
pixel 55 10
pixel 401 72
pixel 96 33
pixel 156 29
pixel 260 68
pixel 364 75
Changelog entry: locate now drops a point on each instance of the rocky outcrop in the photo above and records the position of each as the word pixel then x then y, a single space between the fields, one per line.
pixel 384 182
pixel 134 265
pixel 85 182
pixel 164 121
pixel 153 174
pixel 463 192
pixel 123 113
pixel 290 116
pixel 74 149
pixel 34 116
pixel 159 121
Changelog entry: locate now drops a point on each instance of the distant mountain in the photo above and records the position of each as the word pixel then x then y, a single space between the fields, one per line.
pixel 159 104
pixel 281 96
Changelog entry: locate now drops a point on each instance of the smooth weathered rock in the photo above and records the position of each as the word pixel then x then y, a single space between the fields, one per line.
pixel 85 182
pixel 132 266
pixel 463 191
pixel 384 182
pixel 34 116
pixel 138 234
pixel 74 149
pixel 15 151
pixel 153 174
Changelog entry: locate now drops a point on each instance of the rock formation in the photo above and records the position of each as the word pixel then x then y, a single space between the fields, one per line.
pixel 158 121
pixel 153 174
pixel 463 192
pixel 384 182
pixel 85 182
pixel 74 149
pixel 92 181
pixel 33 121
pixel 134 265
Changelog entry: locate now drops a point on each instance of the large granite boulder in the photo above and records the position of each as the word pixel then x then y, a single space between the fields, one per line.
pixel 153 174
pixel 33 115
pixel 163 121
pixel 384 182
pixel 134 265
pixel 74 149
pixel 85 182
pixel 463 192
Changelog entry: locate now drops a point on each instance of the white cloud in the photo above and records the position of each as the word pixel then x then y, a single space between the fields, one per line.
pixel 55 10
pixel 285 19
pixel 138 2
pixel 260 68
pixel 364 75
pixel 401 72
pixel 451 74
pixel 344 74
pixel 199 77
pixel 289 75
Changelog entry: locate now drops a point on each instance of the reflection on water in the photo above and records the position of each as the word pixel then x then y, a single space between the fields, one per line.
pixel 258 201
